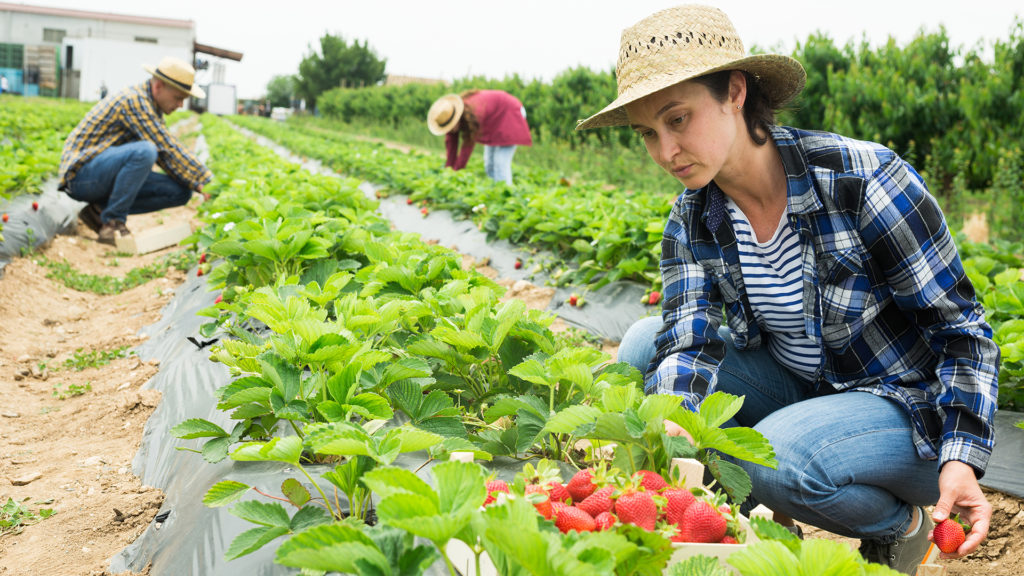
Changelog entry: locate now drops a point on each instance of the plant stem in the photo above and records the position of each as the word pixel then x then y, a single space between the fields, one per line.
pixel 318 489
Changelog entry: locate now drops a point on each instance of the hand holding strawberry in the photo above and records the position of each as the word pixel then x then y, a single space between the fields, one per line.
pixel 959 492
pixel 949 535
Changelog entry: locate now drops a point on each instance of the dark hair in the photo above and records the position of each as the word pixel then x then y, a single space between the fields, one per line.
pixel 469 124
pixel 758 110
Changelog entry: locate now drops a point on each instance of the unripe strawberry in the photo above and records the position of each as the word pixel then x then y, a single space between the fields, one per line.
pixel 598 502
pixel 949 535
pixel 494 486
pixel 702 523
pixel 651 481
pixel 638 508
pixel 581 485
pixel 605 520
pixel 572 518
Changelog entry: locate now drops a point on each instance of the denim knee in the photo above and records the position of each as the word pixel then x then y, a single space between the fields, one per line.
pixel 144 151
pixel 637 347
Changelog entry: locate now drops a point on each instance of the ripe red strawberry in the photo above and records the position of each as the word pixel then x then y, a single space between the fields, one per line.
pixel 678 500
pixel 518 264
pixel 599 501
pixel 424 211
pixel 6 217
pixel 492 487
pixel 638 508
pixel 202 258
pixel 949 535
pixel 558 492
pixel 556 506
pixel 605 520
pixel 651 481
pixel 408 200
pixel 654 298
pixel 573 299
pixel 220 297
pixel 199 272
pixel 728 540
pixel 572 518
pixel 702 523
pixel 35 205
pixel 544 508
pixel 581 485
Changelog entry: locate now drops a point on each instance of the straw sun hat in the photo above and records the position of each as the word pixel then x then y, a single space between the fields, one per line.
pixel 444 114
pixel 178 74
pixel 681 43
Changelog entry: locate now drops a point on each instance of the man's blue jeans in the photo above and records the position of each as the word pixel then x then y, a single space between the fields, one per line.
pixel 121 179
pixel 498 163
pixel 847 461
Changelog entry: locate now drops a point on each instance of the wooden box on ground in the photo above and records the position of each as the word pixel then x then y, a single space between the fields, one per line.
pixel 153 239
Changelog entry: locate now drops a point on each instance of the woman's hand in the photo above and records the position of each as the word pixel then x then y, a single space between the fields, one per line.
pixel 959 492
pixel 673 429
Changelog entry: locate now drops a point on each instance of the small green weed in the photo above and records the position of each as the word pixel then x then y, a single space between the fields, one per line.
pixel 71 390
pixel 14 516
pixel 63 272
pixel 81 360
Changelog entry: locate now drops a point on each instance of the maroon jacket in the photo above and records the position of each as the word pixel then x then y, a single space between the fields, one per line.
pixel 502 123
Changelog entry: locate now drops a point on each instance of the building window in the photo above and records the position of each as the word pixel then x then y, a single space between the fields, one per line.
pixel 145 39
pixel 54 35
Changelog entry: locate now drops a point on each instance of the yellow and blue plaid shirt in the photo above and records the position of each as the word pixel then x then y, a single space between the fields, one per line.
pixel 129 116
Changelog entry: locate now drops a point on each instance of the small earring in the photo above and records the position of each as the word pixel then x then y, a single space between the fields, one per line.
pixel 739 107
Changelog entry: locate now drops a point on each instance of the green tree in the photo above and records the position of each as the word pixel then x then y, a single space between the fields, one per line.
pixel 338 63
pixel 280 90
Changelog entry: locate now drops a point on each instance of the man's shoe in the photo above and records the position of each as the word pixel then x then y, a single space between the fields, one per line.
pixel 906 553
pixel 90 216
pixel 111 231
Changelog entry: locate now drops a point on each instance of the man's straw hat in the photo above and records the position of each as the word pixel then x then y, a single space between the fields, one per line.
pixel 685 42
pixel 177 73
pixel 444 114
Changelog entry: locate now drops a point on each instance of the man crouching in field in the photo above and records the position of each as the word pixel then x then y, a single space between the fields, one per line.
pixel 108 158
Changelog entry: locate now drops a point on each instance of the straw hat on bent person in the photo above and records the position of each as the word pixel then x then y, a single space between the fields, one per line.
pixel 682 43
pixel 178 74
pixel 444 114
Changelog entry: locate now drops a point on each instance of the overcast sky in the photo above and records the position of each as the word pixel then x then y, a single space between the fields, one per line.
pixel 534 38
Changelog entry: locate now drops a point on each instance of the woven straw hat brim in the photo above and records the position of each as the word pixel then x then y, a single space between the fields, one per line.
pixel 435 127
pixel 176 84
pixel 781 78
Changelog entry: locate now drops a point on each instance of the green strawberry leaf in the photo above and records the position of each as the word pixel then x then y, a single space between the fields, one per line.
pixel 335 547
pixel 286 449
pixel 262 513
pixel 224 492
pixel 252 540
pixel 197 428
pixel 295 492
pixel 309 516
pixel 698 565
pixel 735 480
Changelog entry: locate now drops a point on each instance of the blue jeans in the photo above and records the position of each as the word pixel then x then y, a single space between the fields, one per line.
pixel 121 179
pixel 498 163
pixel 847 461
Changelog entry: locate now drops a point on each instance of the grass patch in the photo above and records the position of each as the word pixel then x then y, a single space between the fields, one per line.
pixel 71 390
pixel 63 272
pixel 15 516
pixel 94 358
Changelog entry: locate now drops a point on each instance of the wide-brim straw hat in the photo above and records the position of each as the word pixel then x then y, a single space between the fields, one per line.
pixel 444 114
pixel 682 43
pixel 178 74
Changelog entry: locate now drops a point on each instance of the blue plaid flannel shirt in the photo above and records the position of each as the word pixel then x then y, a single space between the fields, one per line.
pixel 885 293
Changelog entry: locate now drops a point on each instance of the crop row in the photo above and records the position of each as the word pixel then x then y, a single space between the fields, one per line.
pixel 605 233
pixel 351 345
pixel 32 133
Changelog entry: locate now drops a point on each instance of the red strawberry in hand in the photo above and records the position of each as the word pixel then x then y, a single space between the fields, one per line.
pixel 494 486
pixel 581 485
pixel 949 535
pixel 702 523
pixel 572 518
pixel 638 508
